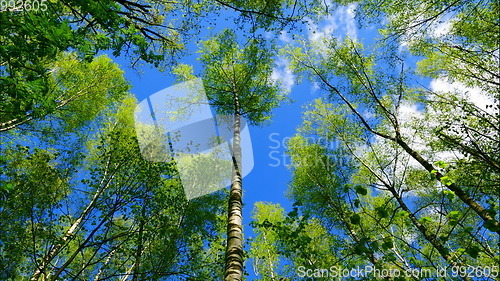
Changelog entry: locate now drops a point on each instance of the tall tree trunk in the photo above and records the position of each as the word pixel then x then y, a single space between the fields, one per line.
pixel 140 246
pixel 234 245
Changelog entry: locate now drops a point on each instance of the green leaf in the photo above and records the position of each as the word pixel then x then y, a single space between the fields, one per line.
pixel 449 194
pixel 446 180
pixel 453 214
pixel 360 248
pixel 9 187
pixel 356 203
pixel 402 214
pixel 425 219
pixel 492 211
pixel 473 251
pixel 382 212
pixel 388 244
pixel 293 213
pixel 459 251
pixel 390 256
pixel 355 219
pixel 490 225
pixel 441 164
pixel 468 228
pixel 360 190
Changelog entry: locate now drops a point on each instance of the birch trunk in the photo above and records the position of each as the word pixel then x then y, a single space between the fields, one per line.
pixel 234 245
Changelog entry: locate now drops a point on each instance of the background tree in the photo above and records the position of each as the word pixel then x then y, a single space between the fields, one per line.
pixel 364 86
pixel 288 244
pixel 32 39
pixel 401 137
pixel 92 208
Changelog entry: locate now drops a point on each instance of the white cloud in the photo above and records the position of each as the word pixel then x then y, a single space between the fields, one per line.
pixel 439 85
pixel 473 94
pixel 442 26
pixel 442 29
pixel 317 33
pixel 285 37
pixel 350 24
pixel 412 122
pixel 283 75
pixel 314 87
pixel 367 114
pixel 339 23
pixel 409 116
pixel 438 28
pixel 408 111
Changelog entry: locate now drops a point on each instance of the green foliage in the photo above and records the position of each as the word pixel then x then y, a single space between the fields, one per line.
pixel 388 132
pixel 244 73
pixel 274 15
pixel 360 190
pixel 146 31
pixel 33 41
pixel 104 210
pixel 398 176
pixel 355 219
pixel 288 238
pixel 77 91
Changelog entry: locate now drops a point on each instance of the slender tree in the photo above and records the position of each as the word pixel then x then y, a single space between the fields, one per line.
pixel 238 83
pixel 288 244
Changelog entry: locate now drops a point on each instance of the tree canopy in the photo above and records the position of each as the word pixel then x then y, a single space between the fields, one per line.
pixel 395 165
